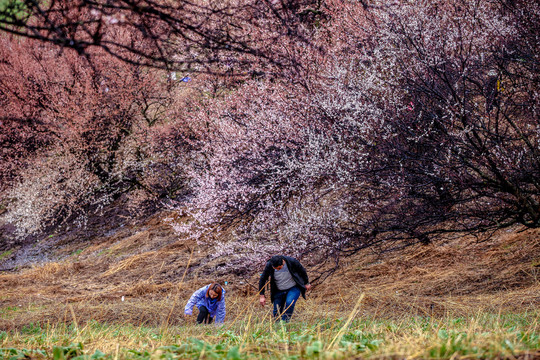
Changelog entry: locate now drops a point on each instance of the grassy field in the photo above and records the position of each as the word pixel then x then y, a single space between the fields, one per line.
pixel 122 297
pixel 317 332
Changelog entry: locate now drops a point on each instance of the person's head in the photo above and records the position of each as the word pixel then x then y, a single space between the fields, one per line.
pixel 214 291
pixel 277 262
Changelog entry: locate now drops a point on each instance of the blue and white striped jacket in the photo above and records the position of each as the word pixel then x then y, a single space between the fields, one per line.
pixel 215 308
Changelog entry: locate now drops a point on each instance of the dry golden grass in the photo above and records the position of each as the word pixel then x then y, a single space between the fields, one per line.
pixel 156 275
pixel 319 330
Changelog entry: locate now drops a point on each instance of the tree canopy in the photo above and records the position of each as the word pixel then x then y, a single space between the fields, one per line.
pixel 316 128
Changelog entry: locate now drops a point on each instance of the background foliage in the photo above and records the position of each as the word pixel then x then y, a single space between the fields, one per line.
pixel 315 128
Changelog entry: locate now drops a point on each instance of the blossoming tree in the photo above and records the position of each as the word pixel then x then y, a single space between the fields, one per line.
pixel 419 120
pixel 325 128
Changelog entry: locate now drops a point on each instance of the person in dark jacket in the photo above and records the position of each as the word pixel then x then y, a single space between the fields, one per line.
pixel 288 280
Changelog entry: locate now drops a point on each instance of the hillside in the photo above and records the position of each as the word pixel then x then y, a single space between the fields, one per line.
pixel 145 273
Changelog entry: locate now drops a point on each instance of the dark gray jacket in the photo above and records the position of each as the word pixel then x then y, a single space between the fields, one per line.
pixel 297 271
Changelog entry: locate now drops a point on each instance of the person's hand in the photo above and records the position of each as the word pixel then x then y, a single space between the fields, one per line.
pixel 308 286
pixel 262 300
pixel 186 316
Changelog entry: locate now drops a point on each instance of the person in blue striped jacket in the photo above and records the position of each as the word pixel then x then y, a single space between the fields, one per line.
pixel 210 300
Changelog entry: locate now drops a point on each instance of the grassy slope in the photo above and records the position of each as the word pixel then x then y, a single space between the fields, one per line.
pixel 466 298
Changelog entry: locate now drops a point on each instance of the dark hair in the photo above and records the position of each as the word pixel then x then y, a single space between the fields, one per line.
pixel 276 260
pixel 217 288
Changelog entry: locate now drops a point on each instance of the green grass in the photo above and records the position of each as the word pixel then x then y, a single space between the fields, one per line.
pixel 76 253
pixel 5 311
pixel 482 336
pixel 6 254
pixel 13 10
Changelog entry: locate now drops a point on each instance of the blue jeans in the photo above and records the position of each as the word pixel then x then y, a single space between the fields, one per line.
pixel 284 302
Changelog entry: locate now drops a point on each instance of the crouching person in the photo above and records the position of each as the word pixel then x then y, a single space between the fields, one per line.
pixel 210 300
